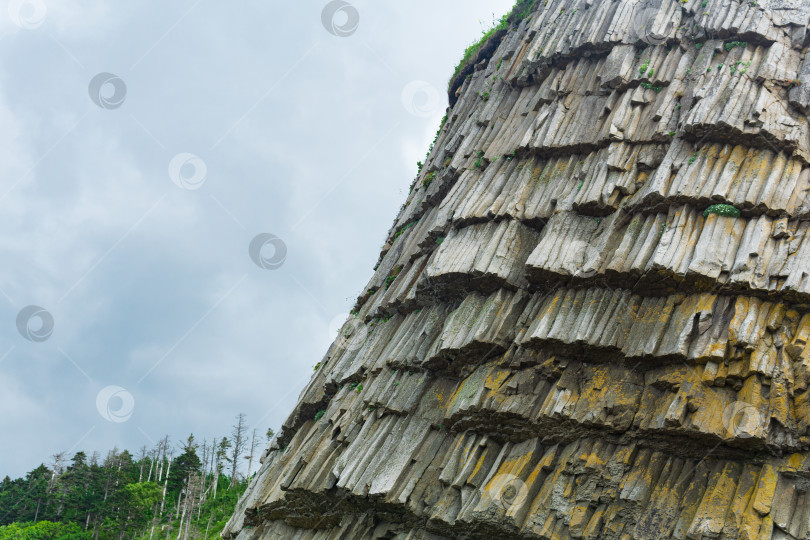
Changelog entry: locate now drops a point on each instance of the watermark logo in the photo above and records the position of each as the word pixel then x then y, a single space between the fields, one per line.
pixel 107 90
pixel 188 171
pixel 340 18
pixel 743 420
pixel 644 26
pixel 422 99
pixel 268 251
pixel 27 14
pixel 507 491
pixel 35 323
pixel 115 404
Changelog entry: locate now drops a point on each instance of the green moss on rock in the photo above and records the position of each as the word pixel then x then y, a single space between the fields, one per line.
pixel 725 210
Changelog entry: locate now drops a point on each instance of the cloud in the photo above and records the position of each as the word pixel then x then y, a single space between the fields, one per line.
pixel 303 134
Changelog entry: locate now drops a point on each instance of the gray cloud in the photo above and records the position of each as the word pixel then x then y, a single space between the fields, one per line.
pixel 303 135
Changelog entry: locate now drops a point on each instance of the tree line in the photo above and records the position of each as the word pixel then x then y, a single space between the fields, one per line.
pixel 167 491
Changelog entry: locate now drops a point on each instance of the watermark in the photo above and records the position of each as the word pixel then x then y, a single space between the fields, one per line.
pixel 420 98
pixel 188 171
pixel 645 28
pixel 27 14
pixel 268 251
pixel 340 18
pixel 743 420
pixel 115 404
pixel 35 323
pixel 507 491
pixel 348 332
pixel 107 90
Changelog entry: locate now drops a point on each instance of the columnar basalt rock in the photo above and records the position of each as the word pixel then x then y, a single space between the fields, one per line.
pixel 561 339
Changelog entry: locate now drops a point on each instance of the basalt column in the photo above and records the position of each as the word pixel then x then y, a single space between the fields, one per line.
pixel 591 316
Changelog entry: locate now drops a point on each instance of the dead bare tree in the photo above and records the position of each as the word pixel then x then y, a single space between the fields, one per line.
pixel 249 457
pixel 238 448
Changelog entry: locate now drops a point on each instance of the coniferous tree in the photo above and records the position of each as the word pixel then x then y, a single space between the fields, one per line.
pixel 119 497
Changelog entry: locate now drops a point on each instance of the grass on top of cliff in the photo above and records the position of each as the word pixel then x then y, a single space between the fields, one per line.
pixel 520 11
pixel 472 50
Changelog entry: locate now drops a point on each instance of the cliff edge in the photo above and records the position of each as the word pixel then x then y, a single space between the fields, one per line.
pixel 591 316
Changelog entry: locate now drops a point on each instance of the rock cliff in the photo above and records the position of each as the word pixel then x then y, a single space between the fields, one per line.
pixel 591 317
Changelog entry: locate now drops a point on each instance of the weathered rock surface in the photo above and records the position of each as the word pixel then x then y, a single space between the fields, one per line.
pixel 558 341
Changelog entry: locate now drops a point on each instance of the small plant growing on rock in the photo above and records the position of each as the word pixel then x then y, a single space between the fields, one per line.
pixel 731 44
pixel 392 276
pixel 643 68
pixel 404 228
pixel 725 210
pixel 319 415
pixel 479 163
pixel 428 179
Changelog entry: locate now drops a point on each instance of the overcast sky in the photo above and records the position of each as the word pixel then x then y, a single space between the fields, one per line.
pixel 143 146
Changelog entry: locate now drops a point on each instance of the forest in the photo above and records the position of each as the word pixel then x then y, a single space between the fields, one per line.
pixel 170 491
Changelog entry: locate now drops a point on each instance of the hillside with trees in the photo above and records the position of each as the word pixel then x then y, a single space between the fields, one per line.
pixel 170 491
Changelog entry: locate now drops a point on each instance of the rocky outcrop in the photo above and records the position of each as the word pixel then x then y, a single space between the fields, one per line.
pixel 565 336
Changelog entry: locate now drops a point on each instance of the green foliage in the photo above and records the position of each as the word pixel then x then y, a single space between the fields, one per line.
pixel 731 44
pixel 392 276
pixel 43 530
pixel 649 86
pixel 117 497
pixel 403 229
pixel 472 50
pixel 319 415
pixel 725 210
pixel 521 10
pixel 420 164
pixel 185 464
pixel 479 162
pixel 643 68
pixel 428 179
